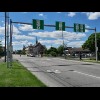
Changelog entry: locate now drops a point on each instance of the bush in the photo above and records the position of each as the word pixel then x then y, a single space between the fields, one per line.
pixel 54 54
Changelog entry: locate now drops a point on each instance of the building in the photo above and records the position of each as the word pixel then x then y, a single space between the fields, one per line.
pixel 37 49
pixel 77 51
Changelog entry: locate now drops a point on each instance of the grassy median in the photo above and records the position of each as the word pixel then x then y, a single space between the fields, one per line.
pixel 17 76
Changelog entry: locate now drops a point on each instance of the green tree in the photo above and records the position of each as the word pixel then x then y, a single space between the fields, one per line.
pixel 54 54
pixel 23 51
pixel 19 52
pixel 1 49
pixel 90 43
pixel 60 50
pixel 52 51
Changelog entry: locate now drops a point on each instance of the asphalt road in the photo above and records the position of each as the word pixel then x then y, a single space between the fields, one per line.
pixel 58 72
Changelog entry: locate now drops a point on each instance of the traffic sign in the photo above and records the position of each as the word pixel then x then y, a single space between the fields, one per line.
pixel 60 26
pixel 79 27
pixel 38 24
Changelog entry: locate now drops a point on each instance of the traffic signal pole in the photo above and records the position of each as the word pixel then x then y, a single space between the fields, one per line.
pixel 11 42
pixel 96 48
pixel 5 33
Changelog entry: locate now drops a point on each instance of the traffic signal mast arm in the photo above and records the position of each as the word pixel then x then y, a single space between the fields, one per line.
pixel 51 25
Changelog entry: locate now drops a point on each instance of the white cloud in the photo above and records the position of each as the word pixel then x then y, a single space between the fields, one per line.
pixel 16 30
pixel 41 14
pixel 58 35
pixel 2 30
pixel 58 12
pixel 23 37
pixel 71 14
pixel 25 27
pixel 92 15
pixel 75 44
pixel 24 12
pixel 87 27
pixel 57 41
pixel 21 43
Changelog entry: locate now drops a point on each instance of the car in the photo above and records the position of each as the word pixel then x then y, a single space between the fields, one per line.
pixel 31 55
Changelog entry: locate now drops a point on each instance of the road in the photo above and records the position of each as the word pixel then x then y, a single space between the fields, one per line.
pixel 58 72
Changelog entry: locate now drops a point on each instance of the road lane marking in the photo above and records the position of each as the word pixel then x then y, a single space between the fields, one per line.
pixel 87 74
pixel 62 59
pixel 57 71
pixel 48 59
pixel 49 71
pixel 53 71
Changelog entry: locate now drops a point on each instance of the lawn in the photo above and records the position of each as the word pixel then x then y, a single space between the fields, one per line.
pixel 94 61
pixel 17 76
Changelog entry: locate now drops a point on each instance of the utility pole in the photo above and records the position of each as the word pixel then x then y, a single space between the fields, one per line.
pixel 7 23
pixel 10 42
pixel 96 48
pixel 5 33
pixel 63 44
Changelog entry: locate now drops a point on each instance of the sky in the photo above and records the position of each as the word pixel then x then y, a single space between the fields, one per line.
pixel 25 34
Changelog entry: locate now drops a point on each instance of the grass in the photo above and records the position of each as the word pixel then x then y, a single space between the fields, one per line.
pixel 17 76
pixel 88 60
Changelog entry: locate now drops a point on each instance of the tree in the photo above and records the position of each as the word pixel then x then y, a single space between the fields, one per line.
pixel 53 51
pixel 23 51
pixel 90 43
pixel 60 50
pixel 1 49
pixel 54 54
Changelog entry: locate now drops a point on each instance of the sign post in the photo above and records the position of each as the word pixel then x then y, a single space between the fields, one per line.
pixel 38 24
pixel 60 26
pixel 79 27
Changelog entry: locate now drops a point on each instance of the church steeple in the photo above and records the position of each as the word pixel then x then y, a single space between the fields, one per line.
pixel 36 40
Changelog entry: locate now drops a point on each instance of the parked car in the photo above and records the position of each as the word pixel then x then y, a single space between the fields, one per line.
pixel 31 55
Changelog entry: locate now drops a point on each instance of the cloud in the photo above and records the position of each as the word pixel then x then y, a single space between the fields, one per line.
pixel 58 35
pixel 16 30
pixel 23 37
pixel 58 12
pixel 21 43
pixel 71 14
pixel 25 27
pixel 57 41
pixel 41 14
pixel 75 43
pixel 92 15
pixel 24 12
pixel 2 30
pixel 87 26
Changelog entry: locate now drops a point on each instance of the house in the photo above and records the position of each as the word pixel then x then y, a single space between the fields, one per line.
pixel 37 49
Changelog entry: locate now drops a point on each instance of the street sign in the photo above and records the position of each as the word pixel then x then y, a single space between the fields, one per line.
pixel 38 24
pixel 60 26
pixel 79 27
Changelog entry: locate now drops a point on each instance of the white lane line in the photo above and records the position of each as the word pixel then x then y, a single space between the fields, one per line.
pixel 87 74
pixel 48 59
pixel 53 71
pixel 57 71
pixel 62 59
